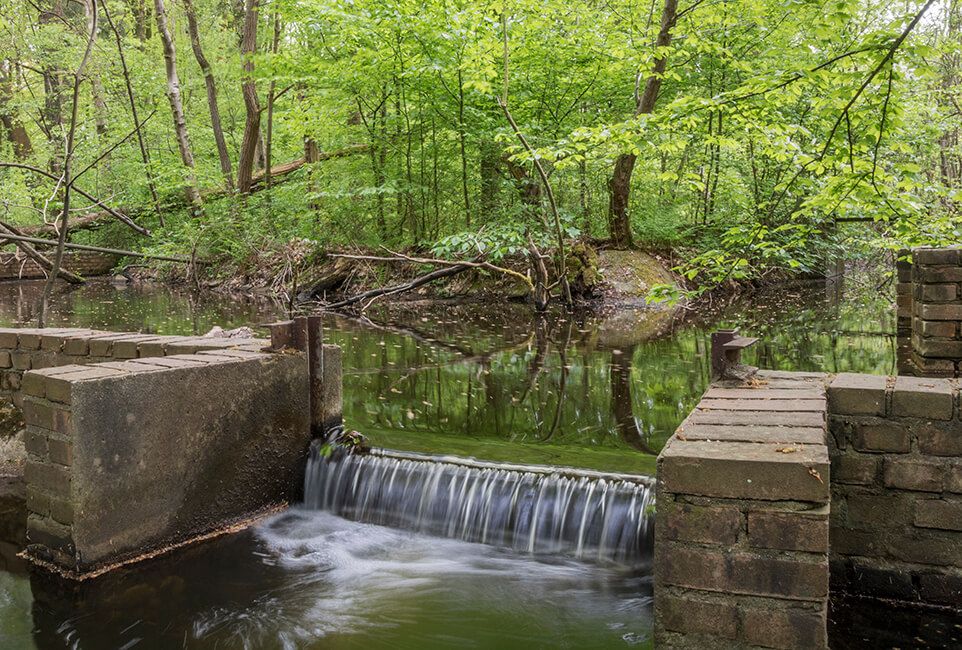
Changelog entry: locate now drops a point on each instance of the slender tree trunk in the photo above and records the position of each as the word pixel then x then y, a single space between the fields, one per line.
pixel 252 123
pixel 619 185
pixel 13 130
pixel 133 111
pixel 269 138
pixel 462 139
pixel 215 121
pixel 51 13
pixel 176 106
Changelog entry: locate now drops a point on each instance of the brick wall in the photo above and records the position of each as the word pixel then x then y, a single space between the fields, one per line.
pixel 86 264
pixel 930 299
pixel 741 533
pixel 896 525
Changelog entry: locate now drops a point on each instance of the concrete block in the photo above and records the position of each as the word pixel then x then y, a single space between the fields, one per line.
pixel 742 470
pixel 784 628
pixel 943 514
pixel 905 474
pixel 811 419
pixel 693 615
pixel 881 438
pixel 851 394
pixel 757 433
pixel 709 525
pixel 942 312
pixel 923 398
pixel 789 531
pixel 854 469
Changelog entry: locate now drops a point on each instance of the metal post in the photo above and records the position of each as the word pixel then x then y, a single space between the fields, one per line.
pixel 282 335
pixel 300 333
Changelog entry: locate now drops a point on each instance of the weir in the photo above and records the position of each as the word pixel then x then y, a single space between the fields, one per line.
pixel 531 509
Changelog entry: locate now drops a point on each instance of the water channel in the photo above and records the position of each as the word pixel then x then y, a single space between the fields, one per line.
pixel 489 381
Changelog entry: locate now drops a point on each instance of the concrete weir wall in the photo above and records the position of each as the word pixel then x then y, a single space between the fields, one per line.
pixel 137 443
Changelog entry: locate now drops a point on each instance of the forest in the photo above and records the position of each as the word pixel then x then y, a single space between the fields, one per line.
pixel 749 138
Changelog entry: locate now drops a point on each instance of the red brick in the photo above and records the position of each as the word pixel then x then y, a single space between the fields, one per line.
pixel 788 531
pixel 940 439
pixel 922 398
pixel 851 394
pixel 38 501
pixel 953 478
pixel 61 452
pixel 884 437
pixel 906 474
pixel 785 629
pixel 854 469
pixel 685 522
pixel 939 292
pixel 35 442
pixel 691 615
pixel 50 478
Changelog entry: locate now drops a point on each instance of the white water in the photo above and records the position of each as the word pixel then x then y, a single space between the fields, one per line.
pixel 588 516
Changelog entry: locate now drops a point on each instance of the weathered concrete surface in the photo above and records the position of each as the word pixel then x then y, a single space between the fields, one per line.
pixel 157 457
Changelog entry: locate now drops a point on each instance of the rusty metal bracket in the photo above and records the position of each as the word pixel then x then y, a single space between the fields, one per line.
pixel 726 355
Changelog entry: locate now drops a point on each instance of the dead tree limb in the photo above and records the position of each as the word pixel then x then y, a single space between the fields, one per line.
pixel 36 256
pixel 407 286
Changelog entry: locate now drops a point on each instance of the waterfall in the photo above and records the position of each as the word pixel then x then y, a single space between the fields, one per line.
pixel 531 509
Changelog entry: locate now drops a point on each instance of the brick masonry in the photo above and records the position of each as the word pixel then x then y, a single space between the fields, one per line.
pixel 929 310
pixel 111 475
pixel 742 528
pixel 16 266
pixel 896 488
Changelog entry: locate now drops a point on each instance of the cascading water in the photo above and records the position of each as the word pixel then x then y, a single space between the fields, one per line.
pixel 527 508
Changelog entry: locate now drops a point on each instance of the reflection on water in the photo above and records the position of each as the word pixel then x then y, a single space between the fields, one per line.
pixel 492 381
pixel 313 580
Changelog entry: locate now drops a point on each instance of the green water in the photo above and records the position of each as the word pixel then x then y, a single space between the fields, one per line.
pixel 489 381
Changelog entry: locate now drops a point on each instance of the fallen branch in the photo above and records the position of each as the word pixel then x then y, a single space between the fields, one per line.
pixel 401 257
pixel 407 286
pixel 97 249
pixel 36 256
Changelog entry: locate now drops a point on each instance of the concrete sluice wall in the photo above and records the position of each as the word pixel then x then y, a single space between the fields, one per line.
pixel 139 443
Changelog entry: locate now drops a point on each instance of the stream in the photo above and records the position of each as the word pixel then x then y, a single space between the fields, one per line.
pixel 490 381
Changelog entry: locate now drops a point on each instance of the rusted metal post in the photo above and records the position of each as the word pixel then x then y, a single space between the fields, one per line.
pixel 726 355
pixel 300 333
pixel 282 335
pixel 315 360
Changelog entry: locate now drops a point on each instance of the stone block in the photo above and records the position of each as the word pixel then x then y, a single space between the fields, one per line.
pixel 811 419
pixel 939 274
pixel 942 514
pixel 35 442
pixel 945 348
pixel 923 398
pixel 852 394
pixel 62 511
pixel 789 531
pixel 38 501
pixel 21 360
pixel 5 360
pixel 742 470
pixel 126 347
pixel 844 540
pixel 854 469
pixel 45 534
pixel 156 347
pixel 709 525
pixel 756 433
pixel 693 615
pixel 784 628
pixel 884 437
pixel 925 547
pixel 940 439
pixel 30 339
pixel 76 346
pixel 789 405
pixel 906 474
pixel 942 312
pixel 50 478
pixel 9 338
pixel 903 304
pixel 935 256
pixel 945 329
pixel 939 292
pixel 61 452
pixel 32 383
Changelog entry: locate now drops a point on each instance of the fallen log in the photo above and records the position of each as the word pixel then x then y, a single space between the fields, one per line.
pixel 10 232
pixel 407 286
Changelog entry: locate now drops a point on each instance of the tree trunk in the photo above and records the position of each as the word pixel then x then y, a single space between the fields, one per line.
pixel 252 123
pixel 215 121
pixel 52 13
pixel 176 106
pixel 619 185
pixel 13 130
